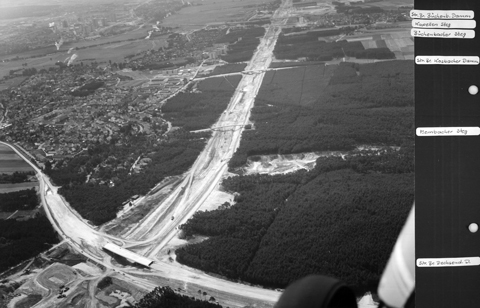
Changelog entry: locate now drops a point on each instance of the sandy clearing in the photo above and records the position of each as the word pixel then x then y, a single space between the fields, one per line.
pixel 88 269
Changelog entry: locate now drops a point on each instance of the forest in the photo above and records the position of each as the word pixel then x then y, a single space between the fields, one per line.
pixel 308 46
pixel 343 103
pixel 242 43
pixel 21 240
pixel 340 219
pixel 239 34
pixel 15 177
pixel 166 297
pixel 21 200
pixel 194 110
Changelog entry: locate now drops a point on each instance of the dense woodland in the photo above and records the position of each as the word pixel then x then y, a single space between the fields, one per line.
pixel 342 218
pixel 166 297
pixel 242 43
pixel 21 200
pixel 15 177
pixel 21 240
pixel 200 109
pixel 308 46
pixel 353 105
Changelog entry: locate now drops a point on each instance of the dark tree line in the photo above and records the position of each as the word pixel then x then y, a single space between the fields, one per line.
pixel 21 240
pixel 235 35
pixel 166 297
pixel 21 200
pixel 242 44
pixel 308 46
pixel 16 177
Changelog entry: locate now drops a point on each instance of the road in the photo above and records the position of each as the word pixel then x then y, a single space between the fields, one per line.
pixel 154 232
pixel 212 163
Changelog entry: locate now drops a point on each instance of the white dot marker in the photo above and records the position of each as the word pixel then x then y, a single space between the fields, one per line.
pixel 473 227
pixel 473 90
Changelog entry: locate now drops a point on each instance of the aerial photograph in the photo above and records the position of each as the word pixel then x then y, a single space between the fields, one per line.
pixel 201 153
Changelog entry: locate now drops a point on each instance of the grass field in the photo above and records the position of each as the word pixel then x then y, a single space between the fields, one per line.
pixel 211 12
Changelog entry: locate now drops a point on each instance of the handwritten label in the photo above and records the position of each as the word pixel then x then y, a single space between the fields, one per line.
pixel 435 14
pixel 448 262
pixel 444 24
pixel 447 60
pixel 447 131
pixel 434 33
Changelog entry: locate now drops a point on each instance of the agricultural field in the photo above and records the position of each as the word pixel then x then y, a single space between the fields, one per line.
pixel 211 12
pixel 100 50
pixel 384 4
pixel 398 40
pixel 8 3
pixel 389 4
pixel 11 162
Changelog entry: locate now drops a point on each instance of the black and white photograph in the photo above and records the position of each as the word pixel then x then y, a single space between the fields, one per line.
pixel 218 153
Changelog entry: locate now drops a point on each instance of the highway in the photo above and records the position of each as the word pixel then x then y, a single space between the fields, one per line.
pixel 157 229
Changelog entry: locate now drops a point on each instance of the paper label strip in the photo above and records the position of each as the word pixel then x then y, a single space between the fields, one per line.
pixel 448 262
